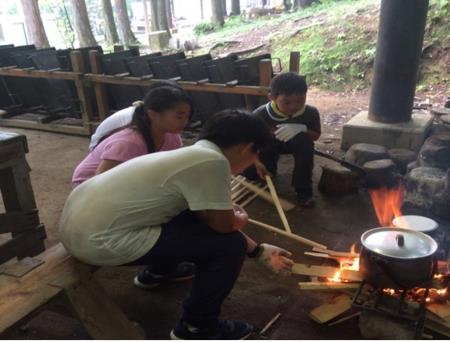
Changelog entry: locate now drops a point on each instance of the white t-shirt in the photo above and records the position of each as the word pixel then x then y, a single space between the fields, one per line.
pixel 118 120
pixel 115 218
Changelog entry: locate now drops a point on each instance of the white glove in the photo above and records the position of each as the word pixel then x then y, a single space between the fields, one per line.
pixel 275 259
pixel 286 132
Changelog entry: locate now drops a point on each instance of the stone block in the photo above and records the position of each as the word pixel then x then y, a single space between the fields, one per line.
pixel 410 135
pixel 158 40
pixel 360 154
pixel 380 173
pixel 435 152
pixel 402 157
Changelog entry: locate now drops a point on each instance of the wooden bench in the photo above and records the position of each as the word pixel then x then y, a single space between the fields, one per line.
pixel 61 273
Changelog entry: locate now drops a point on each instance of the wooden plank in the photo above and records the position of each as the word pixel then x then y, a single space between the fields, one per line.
pixel 351 275
pixel 56 128
pixel 315 271
pixel 186 85
pixel 87 111
pixel 264 194
pixel 251 198
pixel 277 203
pixel 335 307
pixel 265 72
pixel 284 233
pixel 440 309
pixel 335 253
pixel 99 88
pixel 59 75
pixel 294 62
pixel 24 244
pixel 20 300
pixel 99 314
pixel 20 268
pixel 320 286
pixel 346 318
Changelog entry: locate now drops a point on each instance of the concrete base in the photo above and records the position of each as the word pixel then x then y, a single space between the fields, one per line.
pixel 409 135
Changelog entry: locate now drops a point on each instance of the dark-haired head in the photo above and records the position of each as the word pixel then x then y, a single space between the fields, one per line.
pixel 288 83
pixel 235 126
pixel 169 106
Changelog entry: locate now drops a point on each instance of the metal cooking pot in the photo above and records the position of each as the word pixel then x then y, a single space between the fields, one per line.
pixel 397 258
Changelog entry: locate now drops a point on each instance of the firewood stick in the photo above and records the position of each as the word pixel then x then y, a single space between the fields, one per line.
pixel 329 285
pixel 240 193
pixel 252 197
pixel 264 194
pixel 289 235
pixel 335 253
pixel 322 255
pixel 343 319
pixel 274 194
pixel 315 271
pixel 270 323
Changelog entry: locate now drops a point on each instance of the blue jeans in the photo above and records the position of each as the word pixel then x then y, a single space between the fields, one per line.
pixel 218 258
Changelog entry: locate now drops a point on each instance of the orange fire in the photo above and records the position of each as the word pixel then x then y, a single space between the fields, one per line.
pixel 387 203
pixel 346 264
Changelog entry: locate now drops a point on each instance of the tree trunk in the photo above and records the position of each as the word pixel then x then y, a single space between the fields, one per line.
pixel 154 14
pixel 2 36
pixel 235 7
pixel 126 35
pixel 112 36
pixel 33 21
pixel 224 7
pixel 287 5
pixel 217 12
pixel 146 22
pixel 169 11
pixel 202 12
pixel 82 26
pixel 162 16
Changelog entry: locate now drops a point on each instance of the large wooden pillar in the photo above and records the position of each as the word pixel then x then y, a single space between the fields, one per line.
pixel 399 47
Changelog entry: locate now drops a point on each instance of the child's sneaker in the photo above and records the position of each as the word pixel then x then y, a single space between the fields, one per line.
pixel 225 330
pixel 147 280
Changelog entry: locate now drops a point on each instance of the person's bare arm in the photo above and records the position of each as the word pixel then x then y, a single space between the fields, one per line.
pixel 106 165
pixel 224 221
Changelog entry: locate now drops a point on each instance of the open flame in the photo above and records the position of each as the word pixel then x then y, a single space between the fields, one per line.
pixel 346 264
pixel 387 203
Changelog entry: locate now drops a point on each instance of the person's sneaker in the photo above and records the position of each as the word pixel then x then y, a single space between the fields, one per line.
pixel 147 280
pixel 225 330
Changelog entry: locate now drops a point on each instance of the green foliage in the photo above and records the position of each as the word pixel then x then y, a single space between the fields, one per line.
pixel 62 13
pixel 204 28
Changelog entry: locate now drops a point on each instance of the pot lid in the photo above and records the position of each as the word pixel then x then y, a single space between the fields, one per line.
pixel 399 243
pixel 415 222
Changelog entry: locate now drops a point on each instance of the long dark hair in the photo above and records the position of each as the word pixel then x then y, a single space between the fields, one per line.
pixel 158 99
pixel 234 126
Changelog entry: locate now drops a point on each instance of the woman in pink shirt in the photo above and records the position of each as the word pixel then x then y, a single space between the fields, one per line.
pixel 156 126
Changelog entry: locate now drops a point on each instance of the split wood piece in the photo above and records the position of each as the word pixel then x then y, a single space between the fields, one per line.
pixel 252 197
pixel 242 196
pixel 336 254
pixel 343 319
pixel 440 310
pixel 315 271
pixel 435 324
pixel 264 194
pixel 329 285
pixel 327 271
pixel 269 324
pixel 335 307
pixel 240 193
pixel 289 235
pixel 322 255
pixel 274 195
pixel 351 275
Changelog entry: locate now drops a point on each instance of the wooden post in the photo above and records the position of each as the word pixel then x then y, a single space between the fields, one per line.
pixel 118 48
pixel 265 76
pixel 294 62
pixel 78 66
pixel 100 91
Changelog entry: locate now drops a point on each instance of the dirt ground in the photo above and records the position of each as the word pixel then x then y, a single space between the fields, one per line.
pixel 258 295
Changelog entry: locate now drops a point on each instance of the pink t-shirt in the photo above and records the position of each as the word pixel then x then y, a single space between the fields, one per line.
pixel 121 146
